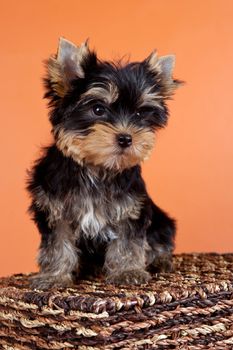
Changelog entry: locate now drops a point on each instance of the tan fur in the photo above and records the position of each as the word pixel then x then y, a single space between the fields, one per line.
pixel 150 98
pixel 57 81
pixel 61 255
pixel 125 260
pixel 54 207
pixel 107 93
pixel 159 258
pixel 154 64
pixel 96 215
pixel 163 67
pixel 129 207
pixel 57 259
pixel 92 216
pixel 66 65
pixel 100 147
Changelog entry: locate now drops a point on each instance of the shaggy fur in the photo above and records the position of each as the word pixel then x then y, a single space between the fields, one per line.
pixel 89 200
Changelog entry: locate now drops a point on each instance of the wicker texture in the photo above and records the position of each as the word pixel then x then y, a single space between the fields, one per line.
pixel 191 308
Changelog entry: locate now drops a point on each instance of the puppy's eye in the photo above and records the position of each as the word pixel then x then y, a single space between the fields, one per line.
pixel 139 113
pixel 99 110
pixel 143 112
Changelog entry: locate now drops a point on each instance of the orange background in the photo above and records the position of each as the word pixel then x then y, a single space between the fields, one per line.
pixel 191 171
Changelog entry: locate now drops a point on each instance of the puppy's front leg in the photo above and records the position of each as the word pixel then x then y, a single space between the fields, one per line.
pixel 125 261
pixel 57 258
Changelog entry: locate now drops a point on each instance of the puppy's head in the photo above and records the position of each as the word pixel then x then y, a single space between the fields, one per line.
pixel 105 114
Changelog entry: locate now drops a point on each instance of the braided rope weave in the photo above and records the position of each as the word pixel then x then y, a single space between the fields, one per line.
pixel 191 308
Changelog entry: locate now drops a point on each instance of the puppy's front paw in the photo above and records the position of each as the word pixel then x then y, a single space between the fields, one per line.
pixel 161 264
pixel 130 277
pixel 45 281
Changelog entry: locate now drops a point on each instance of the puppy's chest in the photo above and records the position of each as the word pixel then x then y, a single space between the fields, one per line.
pixel 101 214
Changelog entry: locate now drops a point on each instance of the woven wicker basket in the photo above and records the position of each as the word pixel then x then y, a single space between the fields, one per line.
pixel 191 308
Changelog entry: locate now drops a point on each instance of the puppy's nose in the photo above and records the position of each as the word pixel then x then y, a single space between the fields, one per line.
pixel 124 140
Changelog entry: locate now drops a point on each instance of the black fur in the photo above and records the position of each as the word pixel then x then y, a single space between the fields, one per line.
pixel 58 182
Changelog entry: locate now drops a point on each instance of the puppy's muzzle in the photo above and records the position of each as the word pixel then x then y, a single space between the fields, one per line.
pixel 124 140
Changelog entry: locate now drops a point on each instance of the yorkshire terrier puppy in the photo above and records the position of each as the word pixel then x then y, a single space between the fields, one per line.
pixel 89 200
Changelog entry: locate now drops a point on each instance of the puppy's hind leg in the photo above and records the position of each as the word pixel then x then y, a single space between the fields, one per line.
pixel 57 257
pixel 160 237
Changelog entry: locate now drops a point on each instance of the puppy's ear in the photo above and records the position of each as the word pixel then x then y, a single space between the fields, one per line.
pixel 163 68
pixel 68 64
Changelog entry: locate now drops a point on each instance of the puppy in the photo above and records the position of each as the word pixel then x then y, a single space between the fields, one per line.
pixel 89 200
